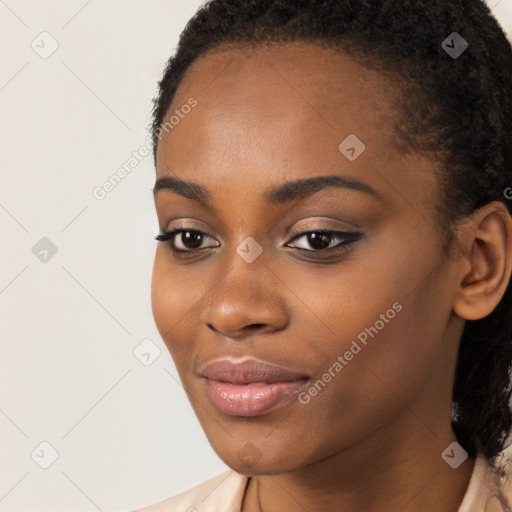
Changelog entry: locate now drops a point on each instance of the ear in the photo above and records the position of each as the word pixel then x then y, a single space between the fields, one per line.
pixel 486 265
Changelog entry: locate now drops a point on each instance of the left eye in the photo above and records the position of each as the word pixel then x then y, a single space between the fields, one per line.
pixel 324 240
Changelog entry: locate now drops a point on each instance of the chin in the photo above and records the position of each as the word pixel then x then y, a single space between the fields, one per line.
pixel 259 469
pixel 248 464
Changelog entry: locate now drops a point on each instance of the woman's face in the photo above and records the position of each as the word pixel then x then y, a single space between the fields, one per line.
pixel 367 325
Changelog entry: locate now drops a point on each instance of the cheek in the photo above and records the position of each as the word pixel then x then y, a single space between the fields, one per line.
pixel 159 299
pixel 169 300
pixel 177 301
pixel 402 358
pixel 378 379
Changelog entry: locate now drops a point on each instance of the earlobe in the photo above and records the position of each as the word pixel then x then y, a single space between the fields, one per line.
pixel 486 267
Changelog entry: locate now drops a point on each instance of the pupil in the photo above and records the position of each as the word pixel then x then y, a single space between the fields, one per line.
pixel 318 240
pixel 191 239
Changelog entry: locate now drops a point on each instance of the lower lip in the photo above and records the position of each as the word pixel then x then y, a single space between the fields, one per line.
pixel 252 399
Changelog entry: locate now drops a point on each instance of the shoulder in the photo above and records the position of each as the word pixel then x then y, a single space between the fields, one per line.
pixel 222 493
pixel 489 489
pixel 505 486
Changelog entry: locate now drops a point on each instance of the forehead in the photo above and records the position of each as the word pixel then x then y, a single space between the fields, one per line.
pixel 299 65
pixel 281 82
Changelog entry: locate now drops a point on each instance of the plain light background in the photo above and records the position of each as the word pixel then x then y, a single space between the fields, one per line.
pixel 124 432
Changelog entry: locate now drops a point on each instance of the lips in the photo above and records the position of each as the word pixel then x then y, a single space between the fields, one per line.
pixel 250 388
pixel 249 371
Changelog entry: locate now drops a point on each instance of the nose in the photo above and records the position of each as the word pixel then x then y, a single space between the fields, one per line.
pixel 246 302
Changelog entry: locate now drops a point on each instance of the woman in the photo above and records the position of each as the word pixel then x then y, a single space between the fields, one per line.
pixel 335 257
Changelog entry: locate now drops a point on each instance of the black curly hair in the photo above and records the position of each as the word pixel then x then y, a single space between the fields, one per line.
pixel 456 110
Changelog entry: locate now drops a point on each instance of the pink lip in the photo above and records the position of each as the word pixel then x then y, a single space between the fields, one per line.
pixel 250 388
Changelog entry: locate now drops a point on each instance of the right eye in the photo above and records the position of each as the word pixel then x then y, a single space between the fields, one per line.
pixel 185 240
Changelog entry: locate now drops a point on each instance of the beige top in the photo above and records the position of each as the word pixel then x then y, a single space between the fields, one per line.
pixel 225 493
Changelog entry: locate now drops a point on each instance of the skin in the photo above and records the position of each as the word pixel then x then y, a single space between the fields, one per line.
pixel 372 438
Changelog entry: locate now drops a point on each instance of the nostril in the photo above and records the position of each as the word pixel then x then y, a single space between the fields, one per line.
pixel 254 325
pixel 245 328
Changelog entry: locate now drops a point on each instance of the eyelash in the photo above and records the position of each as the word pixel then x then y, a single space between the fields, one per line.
pixel 348 238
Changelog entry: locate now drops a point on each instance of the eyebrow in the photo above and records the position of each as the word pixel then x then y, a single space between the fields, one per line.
pixel 287 191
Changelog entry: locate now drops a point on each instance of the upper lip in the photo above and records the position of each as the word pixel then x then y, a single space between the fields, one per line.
pixel 248 371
